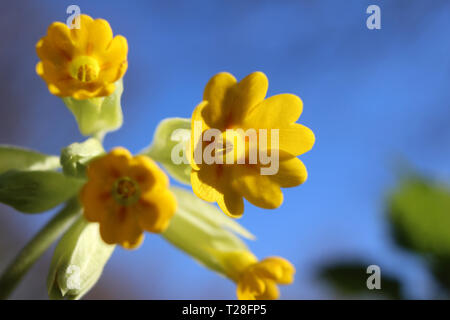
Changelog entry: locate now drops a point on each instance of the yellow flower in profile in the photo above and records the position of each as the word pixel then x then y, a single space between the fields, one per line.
pixel 257 280
pixel 127 195
pixel 228 104
pixel 82 63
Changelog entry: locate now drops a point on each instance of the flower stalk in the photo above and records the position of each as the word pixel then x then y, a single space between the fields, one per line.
pixel 37 246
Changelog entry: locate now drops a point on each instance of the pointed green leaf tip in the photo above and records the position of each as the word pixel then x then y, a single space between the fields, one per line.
pixel 169 143
pixel 78 261
pixel 74 158
pixel 36 191
pixel 96 116
pixel 12 157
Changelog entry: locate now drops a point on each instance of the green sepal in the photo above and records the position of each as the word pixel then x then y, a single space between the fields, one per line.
pixel 96 116
pixel 202 231
pixel 12 157
pixel 78 261
pixel 75 157
pixel 36 191
pixel 172 136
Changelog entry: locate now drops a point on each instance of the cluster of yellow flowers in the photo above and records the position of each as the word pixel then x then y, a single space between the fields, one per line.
pixel 127 195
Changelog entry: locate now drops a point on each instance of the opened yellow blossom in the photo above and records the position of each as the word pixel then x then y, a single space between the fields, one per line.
pixel 257 280
pixel 82 63
pixel 228 104
pixel 127 195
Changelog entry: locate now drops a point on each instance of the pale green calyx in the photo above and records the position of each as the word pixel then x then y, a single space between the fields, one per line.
pixel 78 261
pixel 169 147
pixel 75 157
pixel 201 230
pixel 97 116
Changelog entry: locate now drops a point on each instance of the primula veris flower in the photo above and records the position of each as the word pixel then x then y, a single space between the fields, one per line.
pixel 228 104
pixel 127 195
pixel 82 63
pixel 257 280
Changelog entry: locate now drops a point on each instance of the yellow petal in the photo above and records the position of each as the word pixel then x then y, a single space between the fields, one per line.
pixel 216 92
pixel 275 112
pixel 80 37
pixel 249 286
pixel 59 41
pixel 113 72
pixel 147 174
pixel 212 183
pixel 231 203
pixel 154 212
pixel 296 139
pixel 100 35
pixel 197 118
pixel 249 92
pixel 277 269
pixel 136 242
pixel 291 173
pixel 258 189
pixel 120 226
pixel 271 291
pixel 94 198
pixel 204 183
pixel 115 53
pixel 108 168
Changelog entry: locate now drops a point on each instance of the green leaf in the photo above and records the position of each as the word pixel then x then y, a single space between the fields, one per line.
pixel 419 212
pixel 96 116
pixel 74 158
pixel 201 230
pixel 440 269
pixel 12 157
pixel 36 191
pixel 350 278
pixel 78 261
pixel 169 142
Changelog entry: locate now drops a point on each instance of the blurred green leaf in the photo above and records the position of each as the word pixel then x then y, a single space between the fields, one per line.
pixel 419 212
pixel 96 116
pixel 12 157
pixel 36 191
pixel 172 136
pixel 75 157
pixel 350 278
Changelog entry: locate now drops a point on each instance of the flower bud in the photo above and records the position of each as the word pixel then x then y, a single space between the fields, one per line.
pixel 78 261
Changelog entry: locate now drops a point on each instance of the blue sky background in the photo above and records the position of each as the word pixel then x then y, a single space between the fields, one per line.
pixel 374 99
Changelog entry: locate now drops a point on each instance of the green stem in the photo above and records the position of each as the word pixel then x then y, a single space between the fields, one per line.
pixel 37 246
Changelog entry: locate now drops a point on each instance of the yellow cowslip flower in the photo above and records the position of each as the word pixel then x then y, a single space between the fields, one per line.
pixel 257 280
pixel 81 63
pixel 127 195
pixel 228 104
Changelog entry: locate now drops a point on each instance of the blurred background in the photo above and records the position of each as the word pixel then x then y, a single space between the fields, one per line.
pixel 377 100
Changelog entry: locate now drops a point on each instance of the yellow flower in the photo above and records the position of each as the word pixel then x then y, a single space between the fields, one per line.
pixel 127 195
pixel 82 63
pixel 257 280
pixel 228 104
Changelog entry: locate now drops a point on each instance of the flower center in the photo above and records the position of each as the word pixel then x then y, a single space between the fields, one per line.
pixel 126 191
pixel 235 147
pixel 84 69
